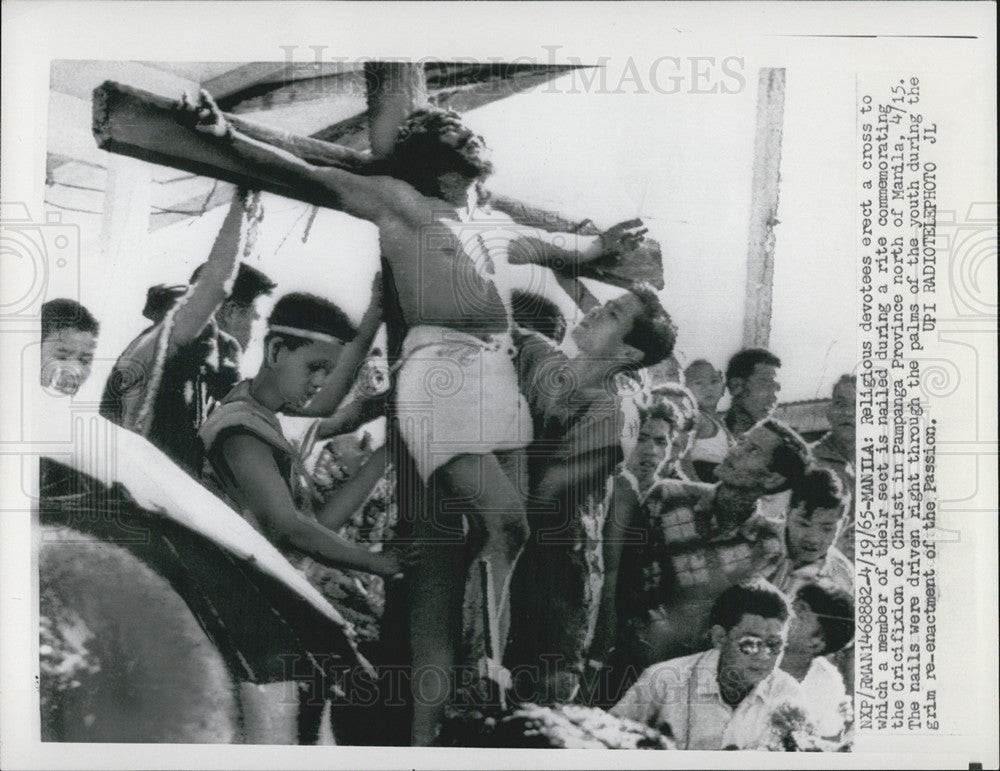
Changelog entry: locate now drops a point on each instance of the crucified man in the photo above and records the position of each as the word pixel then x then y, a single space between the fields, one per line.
pixel 459 410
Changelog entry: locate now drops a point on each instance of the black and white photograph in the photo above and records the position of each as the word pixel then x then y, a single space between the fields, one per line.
pixel 578 396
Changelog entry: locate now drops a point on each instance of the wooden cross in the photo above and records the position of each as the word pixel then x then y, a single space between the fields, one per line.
pixel 149 127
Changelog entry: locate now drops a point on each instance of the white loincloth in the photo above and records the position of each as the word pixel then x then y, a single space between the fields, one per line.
pixel 457 394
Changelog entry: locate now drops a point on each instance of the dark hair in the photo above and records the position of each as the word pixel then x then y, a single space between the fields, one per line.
pixel 742 364
pixel 700 362
pixel 819 488
pixel 663 409
pixel 688 416
pixel 750 598
pixel 248 285
pixel 834 609
pixel 421 155
pixel 63 313
pixel 791 458
pixel 652 332
pixel 309 313
pixel 160 299
pixel 538 313
pixel 851 380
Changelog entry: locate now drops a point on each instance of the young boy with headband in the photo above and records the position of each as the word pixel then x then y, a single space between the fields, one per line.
pixel 255 467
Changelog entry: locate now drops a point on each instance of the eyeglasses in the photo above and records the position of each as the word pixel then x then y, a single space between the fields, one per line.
pixel 754 646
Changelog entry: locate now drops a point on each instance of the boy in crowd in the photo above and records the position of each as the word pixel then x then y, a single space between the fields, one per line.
pixel 751 377
pixel 822 625
pixel 629 486
pixel 69 338
pixel 815 518
pixel 684 402
pixel 721 698
pixel 712 440
pixel 577 426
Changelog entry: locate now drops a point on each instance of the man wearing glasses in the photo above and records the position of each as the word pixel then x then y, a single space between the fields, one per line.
pixel 722 698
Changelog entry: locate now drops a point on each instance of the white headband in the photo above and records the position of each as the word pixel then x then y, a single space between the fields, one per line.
pixel 307 333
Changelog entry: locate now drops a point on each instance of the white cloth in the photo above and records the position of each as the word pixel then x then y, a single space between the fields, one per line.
pixel 712 449
pixel 457 394
pixel 774 508
pixel 684 694
pixel 824 696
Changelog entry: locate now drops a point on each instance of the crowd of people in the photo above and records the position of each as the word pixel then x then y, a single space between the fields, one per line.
pixel 580 523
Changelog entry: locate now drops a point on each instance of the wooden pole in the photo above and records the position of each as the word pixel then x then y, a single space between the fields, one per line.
pixel 395 89
pixel 764 208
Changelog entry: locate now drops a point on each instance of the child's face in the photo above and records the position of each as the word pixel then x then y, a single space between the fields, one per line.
pixel 705 382
pixel 651 449
pixel 301 373
pixel 841 412
pixel 810 537
pixel 67 356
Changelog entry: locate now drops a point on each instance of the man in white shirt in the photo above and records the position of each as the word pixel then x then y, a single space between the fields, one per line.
pixel 722 698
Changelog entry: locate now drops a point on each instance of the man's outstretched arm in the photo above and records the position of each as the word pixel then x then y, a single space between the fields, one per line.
pixel 369 198
pixel 540 247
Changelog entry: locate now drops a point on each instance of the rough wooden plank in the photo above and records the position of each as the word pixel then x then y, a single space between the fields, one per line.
pixel 133 122
pixel 764 207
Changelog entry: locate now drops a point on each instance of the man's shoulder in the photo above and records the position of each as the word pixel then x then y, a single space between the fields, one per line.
pixel 141 349
pixel 237 413
pixel 672 671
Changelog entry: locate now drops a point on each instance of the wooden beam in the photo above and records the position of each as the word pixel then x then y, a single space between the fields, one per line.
pixel 149 127
pixel 136 123
pixel 395 89
pixel 454 87
pixel 764 208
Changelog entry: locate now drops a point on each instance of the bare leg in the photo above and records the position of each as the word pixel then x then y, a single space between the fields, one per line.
pixel 498 531
pixel 477 486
